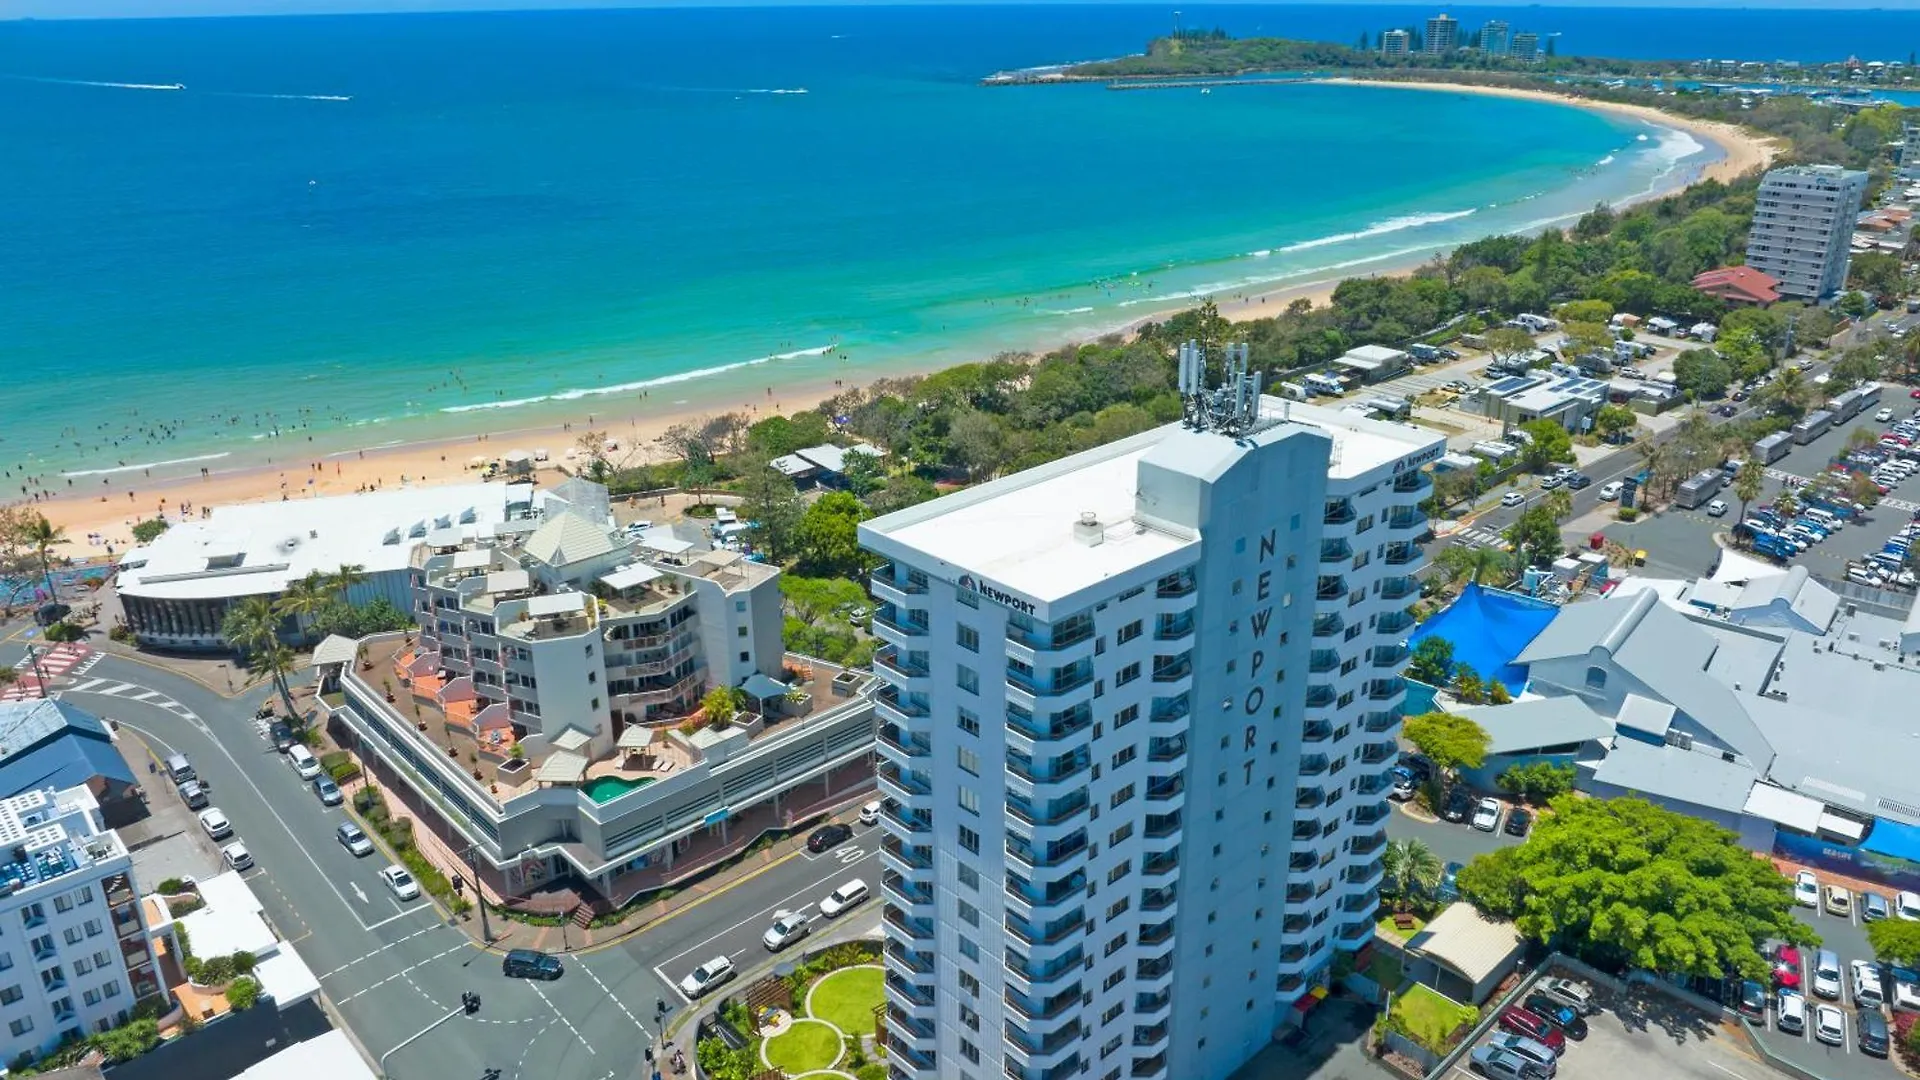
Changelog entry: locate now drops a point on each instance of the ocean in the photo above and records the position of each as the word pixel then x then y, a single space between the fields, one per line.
pixel 224 240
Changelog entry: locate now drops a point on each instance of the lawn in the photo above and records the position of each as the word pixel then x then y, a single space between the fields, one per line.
pixel 1429 1018
pixel 805 1047
pixel 1386 929
pixel 1385 970
pixel 847 997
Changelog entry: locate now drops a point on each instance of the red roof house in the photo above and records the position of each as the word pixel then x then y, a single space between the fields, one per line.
pixel 1739 285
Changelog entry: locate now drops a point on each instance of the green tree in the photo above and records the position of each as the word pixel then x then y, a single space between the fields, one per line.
pixel 1547 443
pixel 1788 393
pixel 827 538
pixel 1702 373
pixel 1468 686
pixel 1615 421
pixel 721 704
pixel 1473 564
pixel 1535 536
pixel 1896 941
pixel 1452 742
pixel 1876 273
pixel 1744 352
pixel 303 601
pixel 1508 343
pixel 1584 311
pixel 1858 365
pixel 253 626
pixel 1748 483
pixel 1432 661
pixel 979 443
pixel 146 532
pixel 778 436
pixel 865 474
pixel 1410 867
pixel 1622 882
pixel 812 599
pixel 1587 337
pixel 42 536
pixel 769 501
pixel 1537 781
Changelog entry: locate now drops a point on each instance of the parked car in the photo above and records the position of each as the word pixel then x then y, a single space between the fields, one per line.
pixel 1491 1061
pixel 1458 805
pixel 1531 1049
pixel 1838 901
pixel 1568 1019
pixel 1486 815
pixel 1870 1031
pixel 1873 907
pixel 531 964
pixel 1786 967
pixel 870 813
pixel 216 823
pixel 827 836
pixel 353 839
pixel 1717 508
pixel 1521 1022
pixel 1867 984
pixel 1906 988
pixel 1830 1025
pixel 281 734
pixel 1826 975
pixel 400 883
pixel 1449 888
pixel 1578 481
pixel 194 794
pixel 1572 993
pixel 1790 1012
pixel 1519 820
pixel 236 856
pixel 788 927
pixel 1806 889
pixel 327 790
pixel 840 900
pixel 1753 1001
pixel 706 977
pixel 1403 783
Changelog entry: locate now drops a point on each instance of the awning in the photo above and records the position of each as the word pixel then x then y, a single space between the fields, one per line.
pixel 335 650
pixel 561 767
pixel 572 739
pixel 286 977
pixel 472 560
pixel 635 738
pixel 665 544
pixel 1309 999
pixel 764 687
pixel 1845 828
pixel 628 576
pixel 1783 807
pixel 447 537
pixel 1893 838
pixel 556 604
pixel 509 581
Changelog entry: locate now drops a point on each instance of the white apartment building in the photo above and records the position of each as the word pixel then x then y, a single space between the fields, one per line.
pixel 74 954
pixel 1496 37
pixel 1803 219
pixel 1525 47
pixel 1443 35
pixel 1396 43
pixel 1140 709
pixel 1910 154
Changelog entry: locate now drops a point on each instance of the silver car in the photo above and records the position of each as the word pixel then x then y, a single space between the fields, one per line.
pixel 788 927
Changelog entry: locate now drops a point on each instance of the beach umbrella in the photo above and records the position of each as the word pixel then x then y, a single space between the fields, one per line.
pixel 476 461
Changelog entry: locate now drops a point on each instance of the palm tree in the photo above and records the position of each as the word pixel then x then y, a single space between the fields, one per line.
pixel 1410 865
pixel 305 599
pixel 1748 483
pixel 1653 459
pixel 1789 391
pixel 253 628
pixel 277 659
pixel 43 536
pixel 346 578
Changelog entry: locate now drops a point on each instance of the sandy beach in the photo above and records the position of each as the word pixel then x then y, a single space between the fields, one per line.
pixel 102 519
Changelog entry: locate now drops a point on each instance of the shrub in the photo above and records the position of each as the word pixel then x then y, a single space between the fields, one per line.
pixel 146 532
pixel 175 885
pixel 122 633
pixel 339 765
pixel 870 1071
pixel 1627 513
pixel 243 994
pixel 63 631
pixel 243 962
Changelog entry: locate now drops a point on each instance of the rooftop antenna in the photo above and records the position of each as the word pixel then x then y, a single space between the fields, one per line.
pixel 1233 407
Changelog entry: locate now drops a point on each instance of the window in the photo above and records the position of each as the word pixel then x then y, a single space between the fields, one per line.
pixel 969 914
pixel 86 894
pixel 11 995
pixel 1124 755
pixel 969 760
pixel 1127 674
pixel 82 966
pixel 93 928
pixel 1113 1014
pixel 969 839
pixel 970 984
pixel 1596 678
pixel 1118 909
pixel 969 1051
pixel 100 959
pixel 91 997
pixel 1126 716
pixel 63 903
pixel 6 960
pixel 1128 632
pixel 74 935
pixel 1120 871
pixel 1120 796
pixel 1119 942
pixel 969 722
pixel 967 637
pixel 1120 834
pixel 970 801
pixel 21 1026
pixel 112 989
pixel 1115 979
pixel 968 679
pixel 969 1017
pixel 967 598
pixel 746 657
pixel 970 878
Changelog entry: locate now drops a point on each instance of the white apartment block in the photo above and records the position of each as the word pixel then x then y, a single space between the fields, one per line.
pixel 1443 35
pixel 1496 37
pixel 74 954
pixel 1140 710
pixel 1396 43
pixel 1910 153
pixel 1803 221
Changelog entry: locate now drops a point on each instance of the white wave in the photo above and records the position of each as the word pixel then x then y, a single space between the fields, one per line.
pixel 144 465
pixel 1608 160
pixel 643 384
pixel 95 82
pixel 301 97
pixel 1379 228
pixel 1261 254
pixel 1069 311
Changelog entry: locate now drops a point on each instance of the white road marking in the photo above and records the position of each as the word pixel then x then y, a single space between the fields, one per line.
pixel 358 894
pixel 404 973
pixel 673 985
pixel 520 1068
pixel 1726 1070
pixel 762 914
pixel 621 1005
pixel 563 1019
pixel 378 951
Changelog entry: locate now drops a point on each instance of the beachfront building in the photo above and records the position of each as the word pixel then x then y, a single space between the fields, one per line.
pixel 1443 35
pixel 549 713
pixel 1910 154
pixel 1525 47
pixel 1803 219
pixel 175 591
pixel 76 951
pixel 1140 709
pixel 1396 43
pixel 1496 37
pixel 1738 285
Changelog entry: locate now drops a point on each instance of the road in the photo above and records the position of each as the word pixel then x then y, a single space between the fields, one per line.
pixel 391 968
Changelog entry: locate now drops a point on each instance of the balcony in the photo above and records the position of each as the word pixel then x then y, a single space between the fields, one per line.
pixel 1043 1045
pixel 1368 844
pixel 1384 689
pixel 1159 899
pixel 914 858
pixel 1054 812
pixel 1160 862
pixel 1393 622
pixel 1338 512
pixel 1058 1004
pixel 1367 815
pixel 1307 829
pixel 1320 697
pixel 1157 968
pixel 1308 798
pixel 1412 482
pixel 913 1029
pixel 1378 753
pixel 1063 681
pixel 1296 924
pixel 1335 551
pixel 907 745
pixel 900 623
pixel 907 705
pixel 1321 661
pixel 1365 902
pixel 1313 765
pixel 1376 722
pixel 1397 588
pixel 1330 588
pixel 135 953
pixel 1362 875
pixel 1316 731
pixel 907 893
pixel 1170 710
pixel 1299 894
pixel 920 963
pixel 1402 520
pixel 1149 1004
pixel 1049 933
pixel 1055 770
pixel 1047 856
pixel 1174 627
pixel 917 929
pixel 1302 861
pixel 910 992
pixel 913 582
pixel 1328 625
pixel 1163 788
pixel 1386 656
pixel 1156 933
pixel 1149 1068
pixel 904 666
pixel 911 821
pixel 909 783
pixel 1167 749
pixel 1059 725
pixel 1173 669
pixel 1034 972
pixel 1354 932
pixel 1064 634
pixel 1052 894
pixel 1065 1070
pixel 1402 554
pixel 1145 1035
pixel 1175 585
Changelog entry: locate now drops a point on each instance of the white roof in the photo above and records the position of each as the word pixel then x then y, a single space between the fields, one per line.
pixel 230 922
pixel 325 1057
pixel 556 604
pixel 665 544
pixel 1789 808
pixel 278 542
pixel 572 739
pixel 1839 826
pixel 561 767
pixel 791 465
pixel 832 458
pixel 287 977
pixel 472 560
pixel 628 576
pixel 1371 357
pixel 501 581
pixel 1466 941
pixel 336 650
pixel 635 737
pixel 446 538
pixel 569 538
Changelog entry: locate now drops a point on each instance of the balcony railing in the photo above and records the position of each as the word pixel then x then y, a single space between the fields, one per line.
pixel 1162 788
pixel 1316 731
pixel 1166 749
pixel 1048 856
pixel 1170 710
pixel 912 927
pixel 1321 661
pixel 919 858
pixel 1389 655
pixel 1308 798
pixel 914 705
pixel 1330 588
pixel 1056 931
pixel 909 892
pixel 1335 551
pixel 1393 622
pixel 1054 892
pixel 1172 672
pixel 914 821
pixel 1401 554
pixel 1367 815
pixel 1055 812
pixel 1366 901
pixel 1059 1003
pixel 1375 753
pixel 1319 697
pixel 1296 924
pixel 1382 689
pixel 1412 481
pixel 1157 968
pixel 1149 1004
pixel 1035 972
pixel 918 962
pixel 1058 725
pixel 1051 770
pixel 1148 1068
pixel 895 620
pixel 912 783
pixel 1302 861
pixel 1376 722
pixel 1175 585
pixel 1394 588
pixel 1338 513
pixel 1174 629
pixel 1368 844
pixel 1063 635
pixel 1161 862
pixel 1410 520
pixel 1159 899
pixel 1156 933
pixel 913 745
pixel 1313 765
pixel 906 667
pixel 1328 625
pixel 1306 830
pixel 1064 680
pixel 919 995
pixel 914 582
pixel 1043 1045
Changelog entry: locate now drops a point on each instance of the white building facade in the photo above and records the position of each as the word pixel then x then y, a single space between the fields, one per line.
pixel 74 952
pixel 1803 219
pixel 1140 709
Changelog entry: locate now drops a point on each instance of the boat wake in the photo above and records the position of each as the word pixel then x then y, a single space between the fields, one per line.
pixel 642 384
pixel 144 465
pixel 96 82
pixel 1378 228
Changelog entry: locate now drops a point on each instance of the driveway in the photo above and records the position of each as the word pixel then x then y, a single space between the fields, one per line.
pixel 1332 1048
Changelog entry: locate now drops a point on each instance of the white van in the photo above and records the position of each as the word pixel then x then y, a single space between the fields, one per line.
pixel 303 761
pixel 1825 518
pixel 843 898
pixel 1866 984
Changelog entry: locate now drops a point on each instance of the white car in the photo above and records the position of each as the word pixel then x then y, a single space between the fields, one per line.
pixel 840 900
pixel 235 855
pixel 1717 508
pixel 1486 815
pixel 1883 415
pixel 870 813
pixel 400 882
pixel 1806 889
pixel 216 823
pixel 1830 1025
pixel 1513 498
pixel 1790 1012
pixel 1907 906
pixel 706 977
pixel 788 927
pixel 1611 491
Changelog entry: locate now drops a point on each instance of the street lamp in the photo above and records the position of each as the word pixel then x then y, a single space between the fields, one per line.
pixel 479 898
pixel 33 659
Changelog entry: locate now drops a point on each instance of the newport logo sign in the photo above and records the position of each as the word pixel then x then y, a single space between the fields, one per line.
pixel 1417 460
pixel 995 594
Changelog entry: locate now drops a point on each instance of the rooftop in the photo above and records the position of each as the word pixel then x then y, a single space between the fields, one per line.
pixel 249 549
pixel 1671 772
pixel 1470 943
pixel 1534 722
pixel 51 833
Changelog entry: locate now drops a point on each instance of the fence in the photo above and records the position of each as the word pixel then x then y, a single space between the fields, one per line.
pixel 1883 602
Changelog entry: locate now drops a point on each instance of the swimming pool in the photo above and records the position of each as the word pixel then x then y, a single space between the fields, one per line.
pixel 1488 628
pixel 608 788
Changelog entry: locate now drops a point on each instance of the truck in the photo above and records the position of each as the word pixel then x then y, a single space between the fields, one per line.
pixel 1496 452
pixel 1696 492
pixel 1812 426
pixel 1772 448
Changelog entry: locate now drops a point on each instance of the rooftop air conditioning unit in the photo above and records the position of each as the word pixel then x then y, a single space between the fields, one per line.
pixel 1680 739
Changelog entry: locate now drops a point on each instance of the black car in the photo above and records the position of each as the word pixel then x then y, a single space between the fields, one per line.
pixel 1752 1001
pixel 1579 480
pixel 1519 821
pixel 1458 805
pixel 282 735
pixel 827 836
pixel 529 964
pixel 1871 1031
pixel 1570 1023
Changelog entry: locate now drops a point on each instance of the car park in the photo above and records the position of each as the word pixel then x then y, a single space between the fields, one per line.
pixel 1838 901
pixel 1873 907
pixel 1522 1022
pixel 1498 1064
pixel 707 976
pixel 1565 1017
pixel 1786 967
pixel 827 836
pixel 400 882
pixel 1866 984
pixel 354 840
pixel 1533 1050
pixel 1790 1012
pixel 1806 889
pixel 236 856
pixel 1458 805
pixel 1752 1001
pixel 531 964
pixel 1519 821
pixel 327 790
pixel 1717 508
pixel 788 927
pixel 1572 993
pixel 215 823
pixel 1830 1025
pixel 1486 815
pixel 843 899
pixel 1513 498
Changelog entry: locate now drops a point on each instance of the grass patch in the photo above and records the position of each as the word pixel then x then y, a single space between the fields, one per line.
pixel 1385 928
pixel 1385 970
pixel 1429 1018
pixel 807 1046
pixel 846 999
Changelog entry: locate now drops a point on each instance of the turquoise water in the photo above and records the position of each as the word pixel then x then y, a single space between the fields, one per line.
pixel 607 788
pixel 349 232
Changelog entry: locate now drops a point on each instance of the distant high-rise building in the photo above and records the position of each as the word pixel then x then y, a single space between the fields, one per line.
pixel 1443 35
pixel 1496 37
pixel 1396 43
pixel 1525 47
pixel 1803 220
pixel 1910 154
pixel 1137 738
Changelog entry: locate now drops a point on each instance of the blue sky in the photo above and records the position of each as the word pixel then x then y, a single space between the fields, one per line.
pixel 93 9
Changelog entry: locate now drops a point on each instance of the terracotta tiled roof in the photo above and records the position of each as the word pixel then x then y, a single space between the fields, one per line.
pixel 1742 284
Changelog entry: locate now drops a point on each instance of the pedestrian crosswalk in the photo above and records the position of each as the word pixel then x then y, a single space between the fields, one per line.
pixel 1791 480
pixel 131 692
pixel 1476 537
pixel 54 664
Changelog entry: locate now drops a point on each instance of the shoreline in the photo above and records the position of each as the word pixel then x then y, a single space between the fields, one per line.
pixel 95 520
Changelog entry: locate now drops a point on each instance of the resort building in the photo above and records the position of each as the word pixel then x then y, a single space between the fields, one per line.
pixel 1140 709
pixel 175 591
pixel 1526 47
pixel 549 715
pixel 1570 400
pixel 75 952
pixel 1496 37
pixel 1396 43
pixel 1738 285
pixel 1803 222
pixel 1443 35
